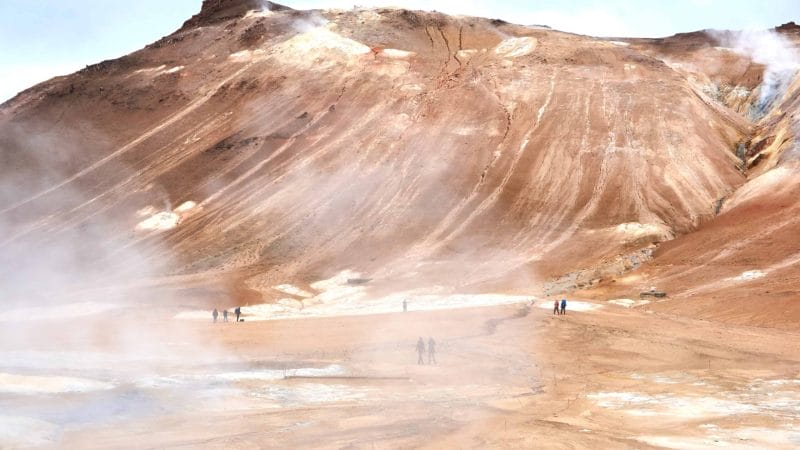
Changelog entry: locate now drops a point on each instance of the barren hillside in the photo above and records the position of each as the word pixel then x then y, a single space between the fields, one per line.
pixel 258 146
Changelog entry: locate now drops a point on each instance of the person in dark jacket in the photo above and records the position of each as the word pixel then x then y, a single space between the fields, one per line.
pixel 431 351
pixel 563 306
pixel 238 312
pixel 215 314
pixel 420 351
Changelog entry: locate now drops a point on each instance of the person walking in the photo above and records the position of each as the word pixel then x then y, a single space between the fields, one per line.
pixel 431 351
pixel 215 314
pixel 238 312
pixel 420 351
pixel 555 307
pixel 225 315
pixel 563 306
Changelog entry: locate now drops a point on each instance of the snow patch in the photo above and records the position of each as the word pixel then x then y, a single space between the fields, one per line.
pixel 293 290
pixel 161 221
pixel 354 302
pixel 516 47
pixel 151 69
pixel 749 275
pixel 160 70
pixel 396 54
pixel 628 303
pixel 321 38
pixel 164 220
pixel 636 229
pixel 338 297
pixel 185 207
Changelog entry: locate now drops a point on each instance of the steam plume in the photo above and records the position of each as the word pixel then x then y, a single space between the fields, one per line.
pixel 780 58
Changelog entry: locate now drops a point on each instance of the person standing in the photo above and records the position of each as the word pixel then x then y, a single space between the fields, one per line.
pixel 225 315
pixel 238 312
pixel 420 351
pixel 215 314
pixel 431 351
pixel 555 307
pixel 563 306
pixel 405 305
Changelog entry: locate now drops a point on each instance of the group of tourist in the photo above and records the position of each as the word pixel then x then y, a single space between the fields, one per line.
pixel 237 312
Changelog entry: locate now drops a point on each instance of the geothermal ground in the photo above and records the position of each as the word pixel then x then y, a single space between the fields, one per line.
pixel 604 376
pixel 318 169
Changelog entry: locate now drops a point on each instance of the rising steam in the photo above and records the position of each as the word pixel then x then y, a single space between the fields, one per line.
pixel 780 58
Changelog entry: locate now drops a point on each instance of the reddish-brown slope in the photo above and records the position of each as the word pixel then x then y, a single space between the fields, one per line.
pixel 412 147
pixel 741 267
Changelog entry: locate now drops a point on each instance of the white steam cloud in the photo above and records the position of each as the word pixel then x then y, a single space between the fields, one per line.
pixel 779 56
pixel 309 23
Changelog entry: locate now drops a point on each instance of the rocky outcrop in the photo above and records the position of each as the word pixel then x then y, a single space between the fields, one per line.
pixel 214 11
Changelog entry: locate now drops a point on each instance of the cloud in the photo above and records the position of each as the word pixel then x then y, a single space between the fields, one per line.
pixel 778 54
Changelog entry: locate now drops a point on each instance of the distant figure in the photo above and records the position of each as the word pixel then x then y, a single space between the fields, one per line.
pixel 420 351
pixel 431 351
pixel 225 315
pixel 405 305
pixel 563 306
pixel 555 307
pixel 215 314
pixel 238 312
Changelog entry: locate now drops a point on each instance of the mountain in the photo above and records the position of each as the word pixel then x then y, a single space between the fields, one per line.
pixel 260 145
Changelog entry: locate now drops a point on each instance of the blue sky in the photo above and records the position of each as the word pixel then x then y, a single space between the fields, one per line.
pixel 40 39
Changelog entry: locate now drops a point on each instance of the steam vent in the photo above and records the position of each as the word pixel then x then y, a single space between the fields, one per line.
pixel 387 228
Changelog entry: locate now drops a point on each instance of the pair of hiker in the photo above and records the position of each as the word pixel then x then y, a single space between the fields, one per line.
pixel 215 314
pixel 431 351
pixel 563 309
